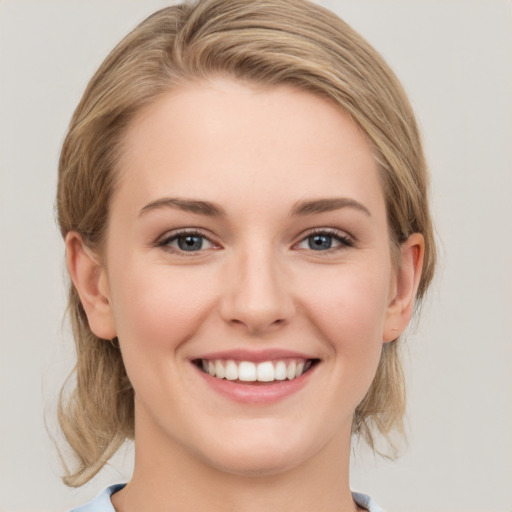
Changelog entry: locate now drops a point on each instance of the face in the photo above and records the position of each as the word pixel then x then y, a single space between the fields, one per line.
pixel 247 274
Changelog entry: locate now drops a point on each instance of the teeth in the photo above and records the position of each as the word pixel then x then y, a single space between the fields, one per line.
pixel 280 371
pixel 290 371
pixel 247 371
pixel 265 371
pixel 220 371
pixel 231 370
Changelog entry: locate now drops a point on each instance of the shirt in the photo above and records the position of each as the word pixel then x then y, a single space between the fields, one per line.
pixel 102 502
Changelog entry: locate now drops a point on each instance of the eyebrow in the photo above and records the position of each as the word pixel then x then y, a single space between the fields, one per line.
pixel 209 209
pixel 316 206
pixel 188 205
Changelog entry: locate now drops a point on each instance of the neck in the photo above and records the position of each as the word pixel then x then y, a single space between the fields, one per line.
pixel 168 477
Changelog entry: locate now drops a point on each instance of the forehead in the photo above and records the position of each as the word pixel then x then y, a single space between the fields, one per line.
pixel 254 140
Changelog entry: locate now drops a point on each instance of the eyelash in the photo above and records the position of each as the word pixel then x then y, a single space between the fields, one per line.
pixel 345 242
pixel 165 242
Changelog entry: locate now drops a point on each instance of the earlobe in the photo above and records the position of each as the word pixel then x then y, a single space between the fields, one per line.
pixel 406 281
pixel 90 280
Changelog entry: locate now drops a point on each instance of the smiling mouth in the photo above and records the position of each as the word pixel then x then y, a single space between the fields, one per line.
pixel 251 372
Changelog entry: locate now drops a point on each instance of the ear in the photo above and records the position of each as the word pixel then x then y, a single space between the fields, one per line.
pixel 90 280
pixel 404 286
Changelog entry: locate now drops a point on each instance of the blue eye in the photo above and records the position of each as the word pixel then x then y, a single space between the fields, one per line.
pixel 320 242
pixel 323 241
pixel 190 242
pixel 187 242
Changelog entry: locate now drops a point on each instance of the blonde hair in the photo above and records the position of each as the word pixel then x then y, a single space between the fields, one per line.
pixel 266 42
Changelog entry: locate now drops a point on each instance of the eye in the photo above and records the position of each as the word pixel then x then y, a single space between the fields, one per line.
pixel 324 241
pixel 186 241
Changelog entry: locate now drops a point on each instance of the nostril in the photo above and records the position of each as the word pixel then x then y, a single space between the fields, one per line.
pixel 257 323
pixel 258 299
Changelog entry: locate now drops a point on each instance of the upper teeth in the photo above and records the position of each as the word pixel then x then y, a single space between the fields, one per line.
pixel 266 371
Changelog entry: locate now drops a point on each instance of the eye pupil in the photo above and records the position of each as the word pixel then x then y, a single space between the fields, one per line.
pixel 190 243
pixel 320 242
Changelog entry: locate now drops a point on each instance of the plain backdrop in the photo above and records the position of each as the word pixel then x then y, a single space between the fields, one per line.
pixel 455 60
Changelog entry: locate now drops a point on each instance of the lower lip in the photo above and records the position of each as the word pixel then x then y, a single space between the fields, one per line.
pixel 259 393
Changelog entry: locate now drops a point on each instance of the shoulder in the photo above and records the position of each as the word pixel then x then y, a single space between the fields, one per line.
pixel 366 502
pixel 102 502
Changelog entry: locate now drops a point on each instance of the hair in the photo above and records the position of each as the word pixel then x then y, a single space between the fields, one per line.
pixel 264 42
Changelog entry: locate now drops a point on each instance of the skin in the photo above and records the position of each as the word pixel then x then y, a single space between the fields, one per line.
pixel 256 283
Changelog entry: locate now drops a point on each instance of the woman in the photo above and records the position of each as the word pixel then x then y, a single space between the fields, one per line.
pixel 242 192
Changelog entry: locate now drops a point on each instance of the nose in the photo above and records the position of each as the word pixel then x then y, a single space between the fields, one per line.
pixel 258 296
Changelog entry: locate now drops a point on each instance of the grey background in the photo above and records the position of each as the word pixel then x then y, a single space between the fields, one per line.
pixel 455 60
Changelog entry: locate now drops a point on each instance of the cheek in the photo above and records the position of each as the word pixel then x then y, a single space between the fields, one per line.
pixel 352 303
pixel 350 312
pixel 158 309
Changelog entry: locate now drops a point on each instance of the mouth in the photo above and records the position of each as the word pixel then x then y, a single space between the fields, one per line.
pixel 249 372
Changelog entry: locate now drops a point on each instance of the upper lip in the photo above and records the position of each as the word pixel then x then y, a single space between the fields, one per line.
pixel 255 356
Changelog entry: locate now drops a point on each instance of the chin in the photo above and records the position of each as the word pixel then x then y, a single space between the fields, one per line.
pixel 259 463
pixel 260 453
